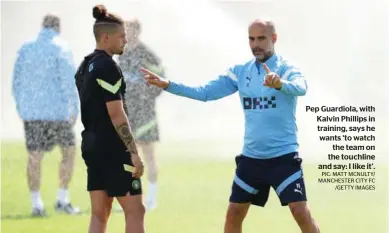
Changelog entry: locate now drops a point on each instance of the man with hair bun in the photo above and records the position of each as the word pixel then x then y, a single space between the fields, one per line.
pixel 108 147
pixel 46 100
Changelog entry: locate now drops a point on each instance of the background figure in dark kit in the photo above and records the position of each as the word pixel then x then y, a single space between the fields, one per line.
pixel 141 101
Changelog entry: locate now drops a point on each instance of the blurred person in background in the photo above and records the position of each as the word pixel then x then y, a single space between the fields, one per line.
pixel 47 102
pixel 140 101
pixel 268 86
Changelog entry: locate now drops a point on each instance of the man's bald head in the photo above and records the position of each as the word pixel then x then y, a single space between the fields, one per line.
pixel 267 24
pixel 51 21
pixel 262 36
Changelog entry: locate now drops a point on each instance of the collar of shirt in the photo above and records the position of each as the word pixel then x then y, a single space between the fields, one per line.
pixel 102 51
pixel 269 62
pixel 47 33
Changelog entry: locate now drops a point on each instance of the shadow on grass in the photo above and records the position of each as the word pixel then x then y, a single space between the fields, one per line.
pixel 48 216
pixel 22 216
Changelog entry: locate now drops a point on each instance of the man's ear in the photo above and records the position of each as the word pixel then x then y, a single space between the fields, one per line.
pixel 104 37
pixel 274 38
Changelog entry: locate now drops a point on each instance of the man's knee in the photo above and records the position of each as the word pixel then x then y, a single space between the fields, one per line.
pixel 136 211
pixel 300 212
pixel 35 157
pixel 237 212
pixel 101 213
pixel 68 152
pixel 101 205
pixel 152 174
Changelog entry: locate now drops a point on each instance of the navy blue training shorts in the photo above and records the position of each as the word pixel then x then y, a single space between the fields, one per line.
pixel 254 177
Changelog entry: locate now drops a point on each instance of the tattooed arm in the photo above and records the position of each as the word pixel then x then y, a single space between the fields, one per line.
pixel 110 80
pixel 122 126
pixel 125 133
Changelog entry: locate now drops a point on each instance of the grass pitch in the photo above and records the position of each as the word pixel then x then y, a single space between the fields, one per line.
pixel 194 187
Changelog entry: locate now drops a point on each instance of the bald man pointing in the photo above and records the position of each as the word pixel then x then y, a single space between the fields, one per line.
pixel 268 87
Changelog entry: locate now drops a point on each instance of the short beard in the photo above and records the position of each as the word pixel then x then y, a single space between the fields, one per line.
pixel 265 57
pixel 117 52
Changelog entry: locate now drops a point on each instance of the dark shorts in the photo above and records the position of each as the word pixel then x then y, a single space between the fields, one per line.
pixel 254 177
pixel 44 135
pixel 114 180
pixel 106 170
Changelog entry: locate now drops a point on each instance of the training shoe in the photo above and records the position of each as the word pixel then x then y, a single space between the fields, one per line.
pixel 38 212
pixel 67 208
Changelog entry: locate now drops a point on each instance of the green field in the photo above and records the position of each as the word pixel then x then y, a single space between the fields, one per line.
pixel 194 189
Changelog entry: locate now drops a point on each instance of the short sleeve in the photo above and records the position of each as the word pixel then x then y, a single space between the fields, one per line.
pixel 109 78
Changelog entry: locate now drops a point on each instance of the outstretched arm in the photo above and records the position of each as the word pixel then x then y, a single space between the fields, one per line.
pixel 223 86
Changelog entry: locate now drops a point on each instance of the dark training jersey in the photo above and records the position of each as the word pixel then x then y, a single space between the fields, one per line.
pixel 99 80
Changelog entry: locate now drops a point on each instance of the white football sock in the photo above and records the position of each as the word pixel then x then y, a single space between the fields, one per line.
pixel 36 200
pixel 152 192
pixel 63 196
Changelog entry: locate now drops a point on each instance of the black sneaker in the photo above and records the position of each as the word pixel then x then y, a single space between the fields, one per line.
pixel 37 212
pixel 67 208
